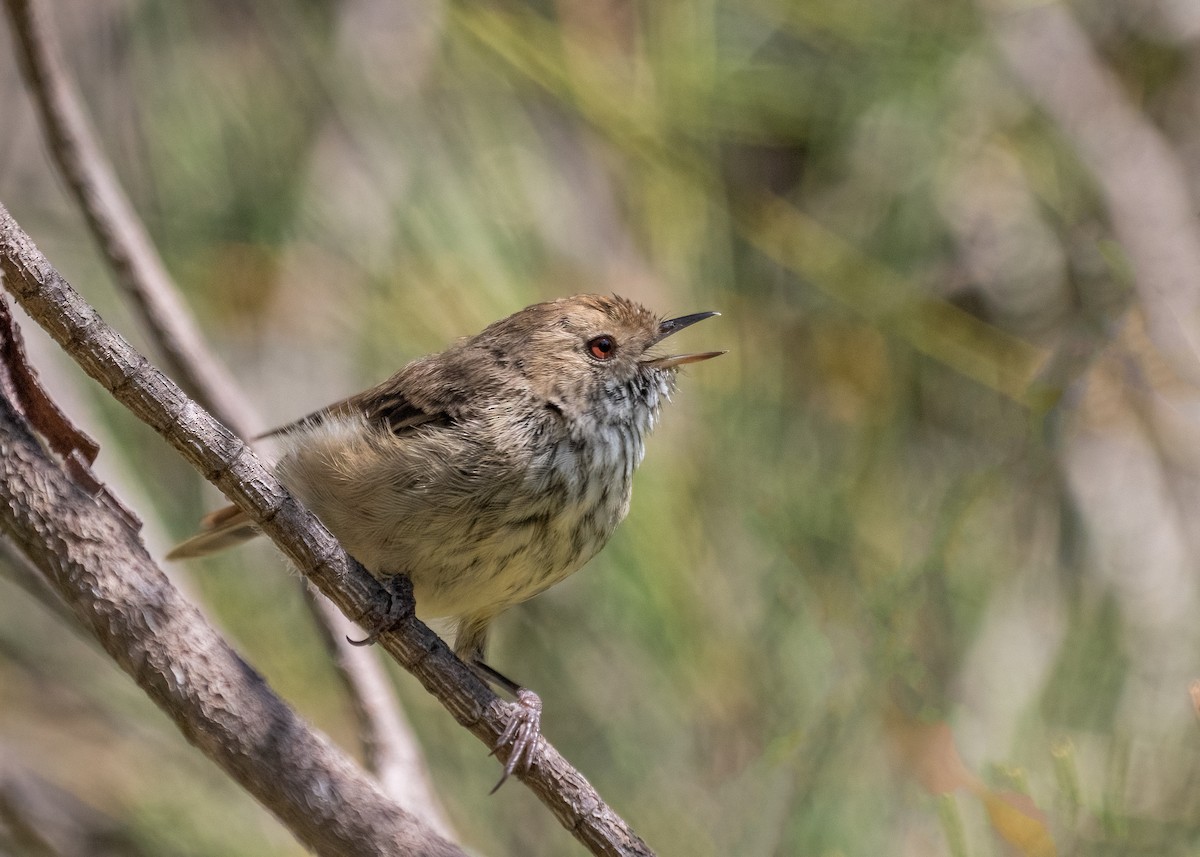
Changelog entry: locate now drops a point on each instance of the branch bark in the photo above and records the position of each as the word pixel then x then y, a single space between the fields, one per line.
pixel 389 745
pixel 94 559
pixel 232 466
pixel 390 748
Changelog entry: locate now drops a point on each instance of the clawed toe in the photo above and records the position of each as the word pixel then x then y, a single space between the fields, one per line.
pixel 522 733
pixel 371 638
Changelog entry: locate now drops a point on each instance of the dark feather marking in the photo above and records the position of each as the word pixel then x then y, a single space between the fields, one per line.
pixel 502 563
pixel 579 535
pixel 386 406
pixel 540 519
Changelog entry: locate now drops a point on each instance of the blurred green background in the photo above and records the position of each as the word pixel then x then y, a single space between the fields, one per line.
pixel 910 571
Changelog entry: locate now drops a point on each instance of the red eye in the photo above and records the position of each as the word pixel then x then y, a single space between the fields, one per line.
pixel 602 347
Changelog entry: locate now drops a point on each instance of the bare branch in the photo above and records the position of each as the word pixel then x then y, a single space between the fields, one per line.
pixel 1143 182
pixel 389 745
pixel 99 567
pixel 387 741
pixel 231 465
pixel 138 268
pixel 390 748
pixel 44 820
pixel 24 818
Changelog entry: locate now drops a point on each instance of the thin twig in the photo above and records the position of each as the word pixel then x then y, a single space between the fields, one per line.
pixel 1145 185
pixel 232 466
pixel 98 565
pixel 43 819
pixel 23 817
pixel 16 568
pixel 386 738
pixel 139 270
pixel 390 749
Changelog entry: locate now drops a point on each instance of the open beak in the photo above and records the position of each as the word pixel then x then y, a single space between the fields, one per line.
pixel 674 325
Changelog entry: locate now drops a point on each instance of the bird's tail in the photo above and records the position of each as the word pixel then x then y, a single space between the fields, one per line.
pixel 221 529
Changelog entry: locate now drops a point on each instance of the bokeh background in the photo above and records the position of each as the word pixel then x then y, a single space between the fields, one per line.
pixel 912 570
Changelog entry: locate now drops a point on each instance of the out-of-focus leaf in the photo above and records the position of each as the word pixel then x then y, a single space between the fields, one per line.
pixel 1018 821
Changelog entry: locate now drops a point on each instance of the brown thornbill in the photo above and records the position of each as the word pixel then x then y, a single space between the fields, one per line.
pixel 488 472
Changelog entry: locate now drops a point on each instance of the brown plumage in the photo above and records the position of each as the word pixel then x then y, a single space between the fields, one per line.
pixel 487 472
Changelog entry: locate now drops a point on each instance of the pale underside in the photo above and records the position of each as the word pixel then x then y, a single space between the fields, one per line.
pixel 478 527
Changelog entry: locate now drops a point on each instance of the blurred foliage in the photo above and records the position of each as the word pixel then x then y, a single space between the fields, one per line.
pixel 907 572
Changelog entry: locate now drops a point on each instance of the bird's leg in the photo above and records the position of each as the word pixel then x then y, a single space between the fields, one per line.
pixel 398 591
pixel 524 726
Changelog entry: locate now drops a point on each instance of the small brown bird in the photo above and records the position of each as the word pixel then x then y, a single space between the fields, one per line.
pixel 488 472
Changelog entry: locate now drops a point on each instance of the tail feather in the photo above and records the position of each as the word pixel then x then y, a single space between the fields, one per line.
pixel 222 529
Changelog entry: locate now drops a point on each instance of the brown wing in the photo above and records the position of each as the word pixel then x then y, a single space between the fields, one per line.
pixel 425 392
pixel 386 405
pixel 389 406
pixel 344 407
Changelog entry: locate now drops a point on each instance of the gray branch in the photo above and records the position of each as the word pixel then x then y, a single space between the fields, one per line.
pixel 1144 184
pixel 41 819
pixel 389 746
pixel 130 253
pixel 95 561
pixel 232 466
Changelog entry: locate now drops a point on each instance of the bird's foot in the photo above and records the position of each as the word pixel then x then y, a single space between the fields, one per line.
pixel 396 606
pixel 522 733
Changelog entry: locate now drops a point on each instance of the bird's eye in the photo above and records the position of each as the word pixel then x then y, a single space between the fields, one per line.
pixel 602 347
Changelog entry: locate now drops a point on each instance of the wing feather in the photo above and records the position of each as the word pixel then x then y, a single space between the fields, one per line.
pixel 386 405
